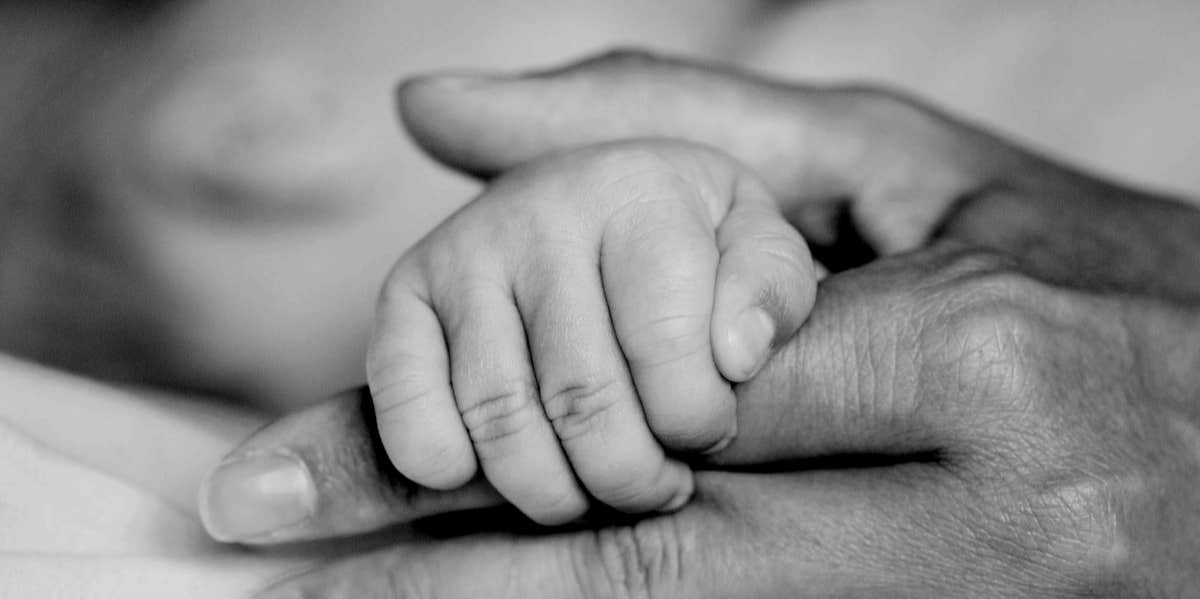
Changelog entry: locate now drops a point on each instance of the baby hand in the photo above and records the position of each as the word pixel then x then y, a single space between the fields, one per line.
pixel 585 309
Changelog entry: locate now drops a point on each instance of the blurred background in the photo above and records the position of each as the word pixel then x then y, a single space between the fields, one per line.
pixel 204 195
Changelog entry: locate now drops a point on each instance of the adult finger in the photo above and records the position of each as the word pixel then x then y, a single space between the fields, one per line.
pixel 487 123
pixel 318 473
pixel 861 534
pixel 901 163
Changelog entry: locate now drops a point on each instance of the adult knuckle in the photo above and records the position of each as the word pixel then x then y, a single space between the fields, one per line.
pixel 637 170
pixel 1061 531
pixel 506 412
pixel 993 346
pixel 995 312
pixel 1083 534
pixel 581 408
pixel 991 335
pixel 642 561
pixel 987 332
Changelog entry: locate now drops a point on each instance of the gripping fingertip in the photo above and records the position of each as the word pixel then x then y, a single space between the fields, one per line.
pixel 747 344
pixel 682 497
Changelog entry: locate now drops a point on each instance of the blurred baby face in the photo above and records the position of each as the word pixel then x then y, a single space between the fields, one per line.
pixel 239 185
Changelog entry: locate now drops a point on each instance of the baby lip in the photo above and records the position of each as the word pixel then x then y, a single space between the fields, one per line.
pixel 257 495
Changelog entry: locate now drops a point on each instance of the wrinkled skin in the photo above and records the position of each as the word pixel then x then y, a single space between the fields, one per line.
pixel 1003 405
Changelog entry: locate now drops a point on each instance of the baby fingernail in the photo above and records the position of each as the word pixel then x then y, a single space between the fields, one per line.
pixel 750 339
pixel 257 495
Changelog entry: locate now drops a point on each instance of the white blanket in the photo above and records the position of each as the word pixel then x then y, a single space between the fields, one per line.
pixel 97 494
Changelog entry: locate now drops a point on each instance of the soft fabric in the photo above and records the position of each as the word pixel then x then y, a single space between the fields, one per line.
pixel 96 494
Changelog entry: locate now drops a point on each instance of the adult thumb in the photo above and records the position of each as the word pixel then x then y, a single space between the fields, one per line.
pixel 900 163
pixel 485 124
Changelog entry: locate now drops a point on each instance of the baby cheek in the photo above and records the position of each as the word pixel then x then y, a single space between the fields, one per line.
pixel 254 138
pixel 264 200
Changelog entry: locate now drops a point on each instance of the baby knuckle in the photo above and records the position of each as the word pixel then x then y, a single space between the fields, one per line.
pixel 781 245
pixel 533 219
pixel 503 414
pixel 394 382
pixel 583 408
pixel 789 259
pixel 666 339
pixel 635 170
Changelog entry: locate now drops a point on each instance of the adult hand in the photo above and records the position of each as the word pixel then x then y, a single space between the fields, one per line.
pixel 1044 445
pixel 896 165
pixel 1029 376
